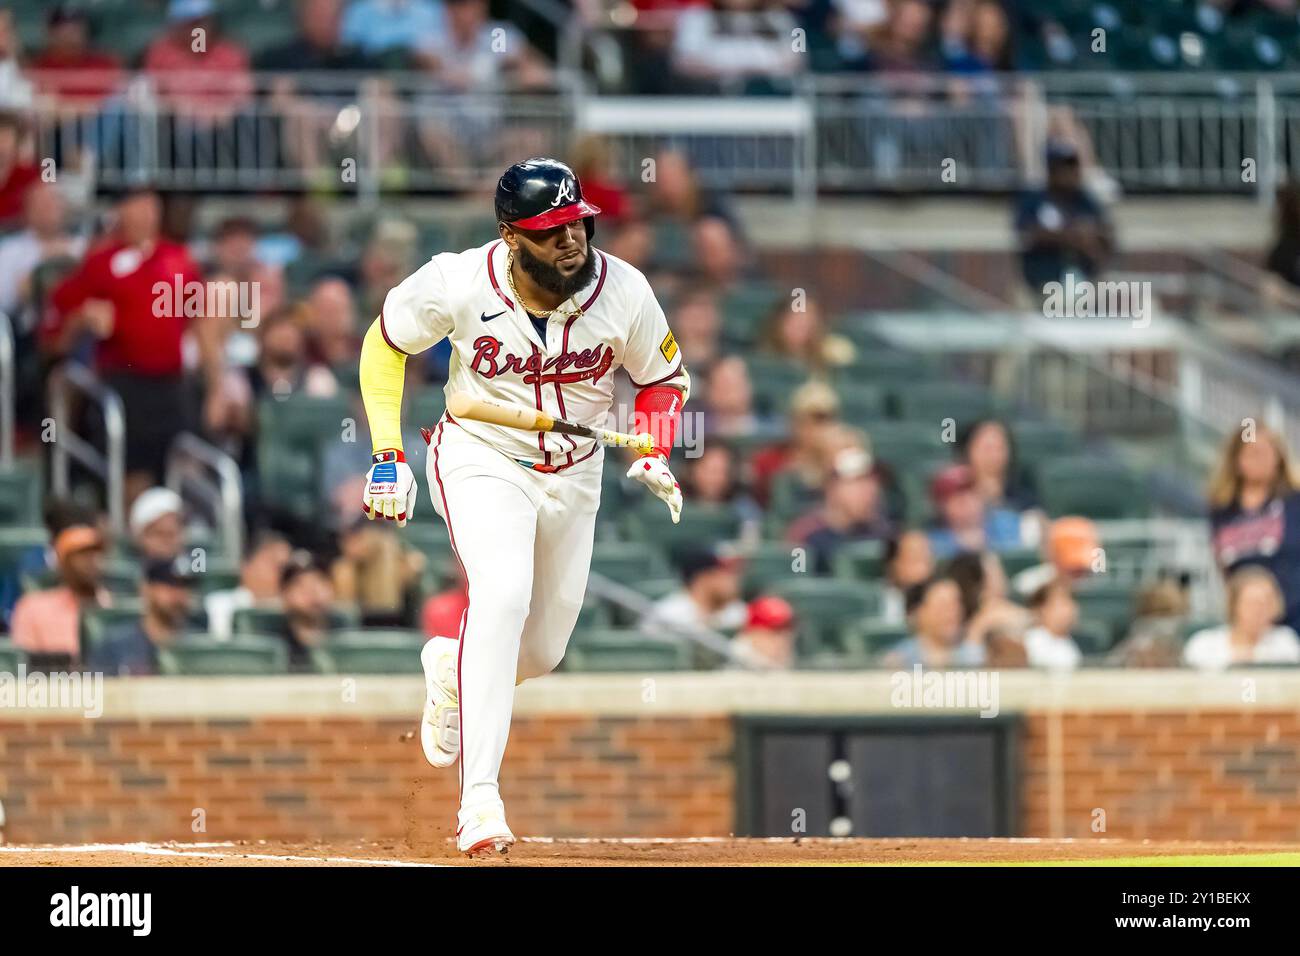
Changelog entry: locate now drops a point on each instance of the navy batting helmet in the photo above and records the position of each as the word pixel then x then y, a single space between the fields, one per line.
pixel 540 193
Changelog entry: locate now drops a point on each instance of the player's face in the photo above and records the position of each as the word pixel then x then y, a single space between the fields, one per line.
pixel 557 259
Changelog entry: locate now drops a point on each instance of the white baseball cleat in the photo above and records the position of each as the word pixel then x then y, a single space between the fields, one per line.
pixel 485 834
pixel 440 724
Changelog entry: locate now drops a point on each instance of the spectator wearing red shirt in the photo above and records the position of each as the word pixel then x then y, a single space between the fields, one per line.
pixel 16 176
pixel 124 296
pixel 202 76
pixel 80 77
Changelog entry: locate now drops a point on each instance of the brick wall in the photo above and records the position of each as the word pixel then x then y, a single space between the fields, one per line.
pixel 1209 774
pixel 1203 774
pixel 291 779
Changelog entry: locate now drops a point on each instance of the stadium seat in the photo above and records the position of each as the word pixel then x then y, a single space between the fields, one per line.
pixel 96 622
pixel 825 607
pixel 1019 559
pixel 768 564
pixel 292 433
pixel 859 561
pixel 861 402
pixel 1094 488
pixel 903 444
pixel 269 620
pixel 15 542
pixel 244 656
pixel 370 652
pixel 706 526
pixel 1108 603
pixel 20 494
pixel 870 639
pixel 628 561
pixel 774 379
pixel 10 658
pixel 1094 637
pixel 931 404
pixel 1039 441
pixel 625 650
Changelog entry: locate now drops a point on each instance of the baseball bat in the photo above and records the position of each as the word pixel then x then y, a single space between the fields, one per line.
pixel 510 415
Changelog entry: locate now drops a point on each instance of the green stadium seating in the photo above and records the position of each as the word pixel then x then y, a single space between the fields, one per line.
pixel 96 622
pixel 624 650
pixel 1094 638
pixel 10 658
pixel 859 561
pixel 1107 603
pixel 1093 488
pixel 370 651
pixel 15 542
pixel 826 607
pixel 291 438
pixel 627 562
pixel 774 380
pixel 768 564
pixel 20 494
pixel 705 526
pixel 269 620
pixel 862 403
pixel 1039 441
pixel 932 403
pixel 870 639
pixel 244 655
pixel 1019 559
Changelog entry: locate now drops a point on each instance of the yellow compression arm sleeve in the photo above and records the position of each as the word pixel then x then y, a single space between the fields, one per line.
pixel 383 370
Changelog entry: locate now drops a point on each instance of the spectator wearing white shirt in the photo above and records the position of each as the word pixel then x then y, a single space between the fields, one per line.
pixel 1049 644
pixel 43 238
pixel 709 599
pixel 1251 635
pixel 733 41
pixel 259 584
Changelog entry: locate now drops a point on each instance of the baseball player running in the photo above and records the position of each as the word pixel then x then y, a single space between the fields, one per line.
pixel 537 318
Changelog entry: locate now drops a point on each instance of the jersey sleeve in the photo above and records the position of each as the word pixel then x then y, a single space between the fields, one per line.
pixel 417 314
pixel 652 356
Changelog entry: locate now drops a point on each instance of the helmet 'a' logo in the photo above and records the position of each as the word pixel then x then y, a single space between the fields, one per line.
pixel 564 193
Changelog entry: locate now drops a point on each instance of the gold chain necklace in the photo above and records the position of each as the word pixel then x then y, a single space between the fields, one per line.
pixel 540 313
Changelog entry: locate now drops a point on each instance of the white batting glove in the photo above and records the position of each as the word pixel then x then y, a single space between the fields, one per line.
pixel 390 488
pixel 652 471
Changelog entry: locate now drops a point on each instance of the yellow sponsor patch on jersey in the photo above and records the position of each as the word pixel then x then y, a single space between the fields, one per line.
pixel 668 347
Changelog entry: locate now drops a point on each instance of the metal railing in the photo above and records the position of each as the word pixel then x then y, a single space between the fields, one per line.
pixel 395 131
pixel 109 466
pixel 203 474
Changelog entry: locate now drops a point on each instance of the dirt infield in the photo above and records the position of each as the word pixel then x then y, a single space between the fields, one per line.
pixel 723 851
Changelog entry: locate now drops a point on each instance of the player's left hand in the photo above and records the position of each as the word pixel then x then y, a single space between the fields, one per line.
pixel 653 472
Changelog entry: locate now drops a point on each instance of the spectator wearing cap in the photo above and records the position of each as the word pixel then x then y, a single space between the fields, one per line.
pixel 45 623
pixel 1063 230
pixel 1072 549
pixel 964 521
pixel 157 525
pixel 113 298
pixel 851 510
pixel 767 641
pixel 934 616
pixel 307 597
pixel 1049 644
pixel 259 583
pixel 708 600
pixel 166 596
pixel 908 561
pixel 69 68
pixel 1252 634
pixel 17 174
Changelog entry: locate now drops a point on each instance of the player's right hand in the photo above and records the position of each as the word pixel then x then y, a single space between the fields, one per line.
pixel 390 488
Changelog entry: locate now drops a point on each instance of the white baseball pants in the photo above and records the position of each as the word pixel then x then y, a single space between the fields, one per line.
pixel 524 539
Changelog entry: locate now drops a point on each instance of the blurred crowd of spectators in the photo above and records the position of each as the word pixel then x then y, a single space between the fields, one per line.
pixel 87 292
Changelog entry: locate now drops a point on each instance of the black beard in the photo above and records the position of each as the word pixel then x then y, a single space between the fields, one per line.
pixel 551 279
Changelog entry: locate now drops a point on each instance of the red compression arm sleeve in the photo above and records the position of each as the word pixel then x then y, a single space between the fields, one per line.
pixel 658 409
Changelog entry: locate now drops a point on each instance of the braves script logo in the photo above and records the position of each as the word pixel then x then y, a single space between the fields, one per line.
pixel 587 364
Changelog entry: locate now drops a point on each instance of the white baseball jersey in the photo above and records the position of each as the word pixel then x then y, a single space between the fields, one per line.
pixel 497 353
